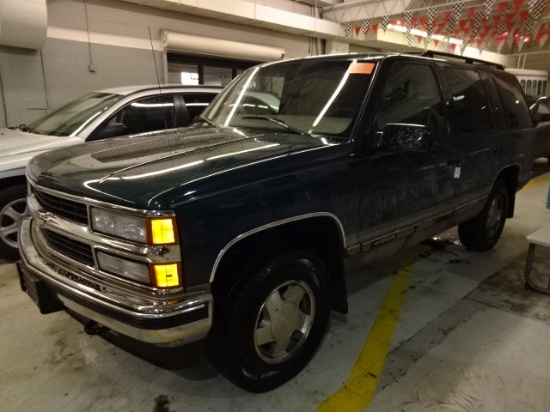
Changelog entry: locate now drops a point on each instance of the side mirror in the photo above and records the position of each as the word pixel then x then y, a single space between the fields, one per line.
pixel 540 110
pixel 111 130
pixel 405 138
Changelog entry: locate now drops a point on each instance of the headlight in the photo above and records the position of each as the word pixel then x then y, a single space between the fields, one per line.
pixel 150 230
pixel 120 225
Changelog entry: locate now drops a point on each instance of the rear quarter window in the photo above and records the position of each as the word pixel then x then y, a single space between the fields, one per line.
pixel 516 113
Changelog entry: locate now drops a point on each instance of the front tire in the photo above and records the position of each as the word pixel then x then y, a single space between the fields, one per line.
pixel 271 321
pixel 13 207
pixel 482 232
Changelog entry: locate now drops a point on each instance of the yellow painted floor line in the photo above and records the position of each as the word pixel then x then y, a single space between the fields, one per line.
pixel 545 178
pixel 359 390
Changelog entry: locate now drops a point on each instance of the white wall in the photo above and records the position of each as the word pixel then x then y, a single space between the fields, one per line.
pixel 120 50
pixel 23 85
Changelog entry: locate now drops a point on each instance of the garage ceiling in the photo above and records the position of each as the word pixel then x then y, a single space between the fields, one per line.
pixel 507 27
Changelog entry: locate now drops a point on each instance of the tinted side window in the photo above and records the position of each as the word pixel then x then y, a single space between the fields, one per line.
pixel 411 95
pixel 516 113
pixel 197 102
pixel 143 115
pixel 470 109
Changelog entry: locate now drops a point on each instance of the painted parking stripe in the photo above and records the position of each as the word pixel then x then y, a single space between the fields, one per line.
pixel 359 389
pixel 545 178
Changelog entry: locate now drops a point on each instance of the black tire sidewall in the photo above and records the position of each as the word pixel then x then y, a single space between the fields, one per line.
pixel 242 365
pixel 474 233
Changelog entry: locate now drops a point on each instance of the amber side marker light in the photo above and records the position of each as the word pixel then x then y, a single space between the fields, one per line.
pixel 167 275
pixel 162 231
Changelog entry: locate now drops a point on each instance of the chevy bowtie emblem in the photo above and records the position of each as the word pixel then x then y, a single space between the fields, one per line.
pixel 44 217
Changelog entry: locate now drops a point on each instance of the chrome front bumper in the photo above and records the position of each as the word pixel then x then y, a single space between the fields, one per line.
pixel 167 320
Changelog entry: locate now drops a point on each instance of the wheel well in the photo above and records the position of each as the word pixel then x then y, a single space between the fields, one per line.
pixel 510 176
pixel 13 181
pixel 318 235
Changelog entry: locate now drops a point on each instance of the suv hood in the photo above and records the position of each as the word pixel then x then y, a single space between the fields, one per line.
pixel 15 142
pixel 137 171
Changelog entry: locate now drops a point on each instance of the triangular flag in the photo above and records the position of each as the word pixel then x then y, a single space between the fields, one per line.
pixel 489 7
pixel 365 26
pixel 523 16
pixel 347 28
pixel 502 7
pixel 385 22
pixel 500 45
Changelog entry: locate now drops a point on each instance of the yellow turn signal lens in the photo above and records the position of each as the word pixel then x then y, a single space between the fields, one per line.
pixel 162 230
pixel 167 275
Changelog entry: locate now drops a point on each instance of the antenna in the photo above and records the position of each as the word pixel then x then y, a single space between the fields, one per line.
pixel 154 58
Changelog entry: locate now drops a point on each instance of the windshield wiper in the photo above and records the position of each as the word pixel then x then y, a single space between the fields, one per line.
pixel 205 120
pixel 278 121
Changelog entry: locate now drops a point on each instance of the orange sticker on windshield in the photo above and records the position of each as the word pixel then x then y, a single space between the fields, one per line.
pixel 361 68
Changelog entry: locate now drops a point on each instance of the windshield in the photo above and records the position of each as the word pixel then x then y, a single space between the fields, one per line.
pixel 74 116
pixel 310 96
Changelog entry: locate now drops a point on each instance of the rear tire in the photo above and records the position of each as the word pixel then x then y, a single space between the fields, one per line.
pixel 482 232
pixel 13 207
pixel 272 320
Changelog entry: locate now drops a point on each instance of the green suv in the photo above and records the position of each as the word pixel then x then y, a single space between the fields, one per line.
pixel 241 229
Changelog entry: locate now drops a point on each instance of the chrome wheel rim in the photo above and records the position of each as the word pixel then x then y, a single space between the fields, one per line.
pixel 284 321
pixel 10 215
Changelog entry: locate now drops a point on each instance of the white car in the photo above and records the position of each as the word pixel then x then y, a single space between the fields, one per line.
pixel 98 115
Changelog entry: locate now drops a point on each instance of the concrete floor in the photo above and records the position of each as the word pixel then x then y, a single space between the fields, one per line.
pixel 470 337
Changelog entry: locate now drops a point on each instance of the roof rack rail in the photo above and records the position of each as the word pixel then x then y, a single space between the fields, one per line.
pixel 469 60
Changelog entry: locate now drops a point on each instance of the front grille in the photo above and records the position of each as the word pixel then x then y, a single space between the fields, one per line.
pixel 81 252
pixel 69 209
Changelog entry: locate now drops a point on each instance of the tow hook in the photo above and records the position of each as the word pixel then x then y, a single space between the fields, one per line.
pixel 94 328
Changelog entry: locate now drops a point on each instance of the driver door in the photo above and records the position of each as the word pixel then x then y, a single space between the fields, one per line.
pixel 400 188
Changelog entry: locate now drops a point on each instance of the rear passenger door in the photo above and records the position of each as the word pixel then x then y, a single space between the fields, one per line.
pixel 473 132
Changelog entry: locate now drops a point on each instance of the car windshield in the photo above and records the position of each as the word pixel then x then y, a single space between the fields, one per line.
pixel 311 96
pixel 70 119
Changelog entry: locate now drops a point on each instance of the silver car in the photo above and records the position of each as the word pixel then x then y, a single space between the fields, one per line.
pixel 98 115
